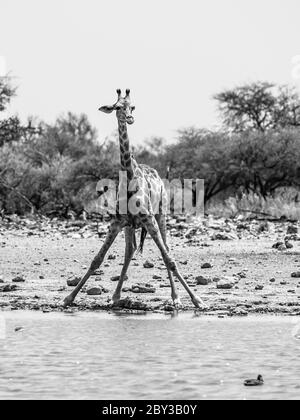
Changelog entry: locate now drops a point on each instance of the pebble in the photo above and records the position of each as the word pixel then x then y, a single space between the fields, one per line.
pixel 296 275
pixel 73 282
pixel 143 289
pixel 203 281
pixel 94 291
pixel 206 266
pixel 8 288
pixel 226 283
pixel 18 279
pixel 117 278
pixel 148 264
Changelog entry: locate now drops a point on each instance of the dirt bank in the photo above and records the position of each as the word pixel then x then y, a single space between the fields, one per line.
pixel 257 277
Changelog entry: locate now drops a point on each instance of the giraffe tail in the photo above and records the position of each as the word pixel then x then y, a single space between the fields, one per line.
pixel 142 241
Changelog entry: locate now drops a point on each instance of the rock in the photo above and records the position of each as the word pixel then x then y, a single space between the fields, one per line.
pixel 227 283
pixel 8 288
pixel 206 266
pixel 292 230
pixel 133 305
pixel 97 273
pixel 203 281
pixel 289 245
pixel 280 246
pixel 223 237
pixel 296 275
pixel 143 289
pixel 148 264
pixel 155 277
pixel 272 280
pixel 111 257
pixel 117 278
pixel 94 291
pixel 73 282
pixel 1 281
pixel 259 287
pixel 18 279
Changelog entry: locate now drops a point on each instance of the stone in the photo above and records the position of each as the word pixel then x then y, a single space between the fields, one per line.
pixel 296 275
pixel 8 288
pixel 94 291
pixel 289 245
pixel 117 278
pixel 148 264
pixel 97 273
pixel 259 287
pixel 73 282
pixel 272 280
pixel 226 283
pixel 143 289
pixel 223 237
pixel 133 305
pixel 203 281
pixel 292 230
pixel 18 279
pixel 206 266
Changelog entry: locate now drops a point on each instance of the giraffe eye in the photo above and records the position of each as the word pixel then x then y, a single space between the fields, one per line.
pixel 133 108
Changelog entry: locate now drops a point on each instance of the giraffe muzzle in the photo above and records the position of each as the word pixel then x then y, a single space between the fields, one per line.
pixel 130 120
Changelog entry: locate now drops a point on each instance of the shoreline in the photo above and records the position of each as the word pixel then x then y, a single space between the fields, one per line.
pixel 46 254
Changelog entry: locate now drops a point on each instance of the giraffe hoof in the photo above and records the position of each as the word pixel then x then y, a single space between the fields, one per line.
pixel 116 300
pixel 177 303
pixel 199 304
pixel 68 301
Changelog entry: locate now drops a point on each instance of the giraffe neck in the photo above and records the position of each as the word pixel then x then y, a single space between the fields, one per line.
pixel 126 160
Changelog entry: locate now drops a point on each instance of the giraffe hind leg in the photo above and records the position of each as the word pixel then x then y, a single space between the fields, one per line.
pixel 153 229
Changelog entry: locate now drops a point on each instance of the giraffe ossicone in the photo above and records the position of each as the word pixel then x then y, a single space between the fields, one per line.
pixel 149 211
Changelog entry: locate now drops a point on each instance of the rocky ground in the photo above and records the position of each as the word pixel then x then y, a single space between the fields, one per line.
pixel 237 266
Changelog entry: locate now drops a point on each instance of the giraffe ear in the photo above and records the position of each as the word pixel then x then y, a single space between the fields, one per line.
pixel 107 109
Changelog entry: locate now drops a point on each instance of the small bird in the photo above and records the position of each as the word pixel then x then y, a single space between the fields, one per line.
pixel 254 382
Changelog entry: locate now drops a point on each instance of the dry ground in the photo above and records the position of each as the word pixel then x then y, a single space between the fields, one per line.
pixel 47 259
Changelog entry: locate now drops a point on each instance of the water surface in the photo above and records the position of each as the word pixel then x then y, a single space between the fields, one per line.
pixel 101 356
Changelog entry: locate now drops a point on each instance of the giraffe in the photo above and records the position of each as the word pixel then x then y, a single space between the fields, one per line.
pixel 148 191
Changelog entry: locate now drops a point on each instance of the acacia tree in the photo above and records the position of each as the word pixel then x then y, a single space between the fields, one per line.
pixel 259 106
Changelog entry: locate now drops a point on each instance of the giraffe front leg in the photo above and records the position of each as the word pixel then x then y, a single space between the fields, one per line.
pixel 129 252
pixel 161 221
pixel 114 230
pixel 152 227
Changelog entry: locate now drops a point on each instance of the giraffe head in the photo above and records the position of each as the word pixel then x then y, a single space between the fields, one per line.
pixel 123 108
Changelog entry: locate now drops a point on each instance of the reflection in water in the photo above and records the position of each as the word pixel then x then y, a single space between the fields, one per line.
pixel 101 356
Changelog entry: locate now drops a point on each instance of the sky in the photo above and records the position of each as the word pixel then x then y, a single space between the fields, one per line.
pixel 174 55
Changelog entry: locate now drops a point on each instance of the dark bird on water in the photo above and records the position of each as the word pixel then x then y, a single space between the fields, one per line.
pixel 254 382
